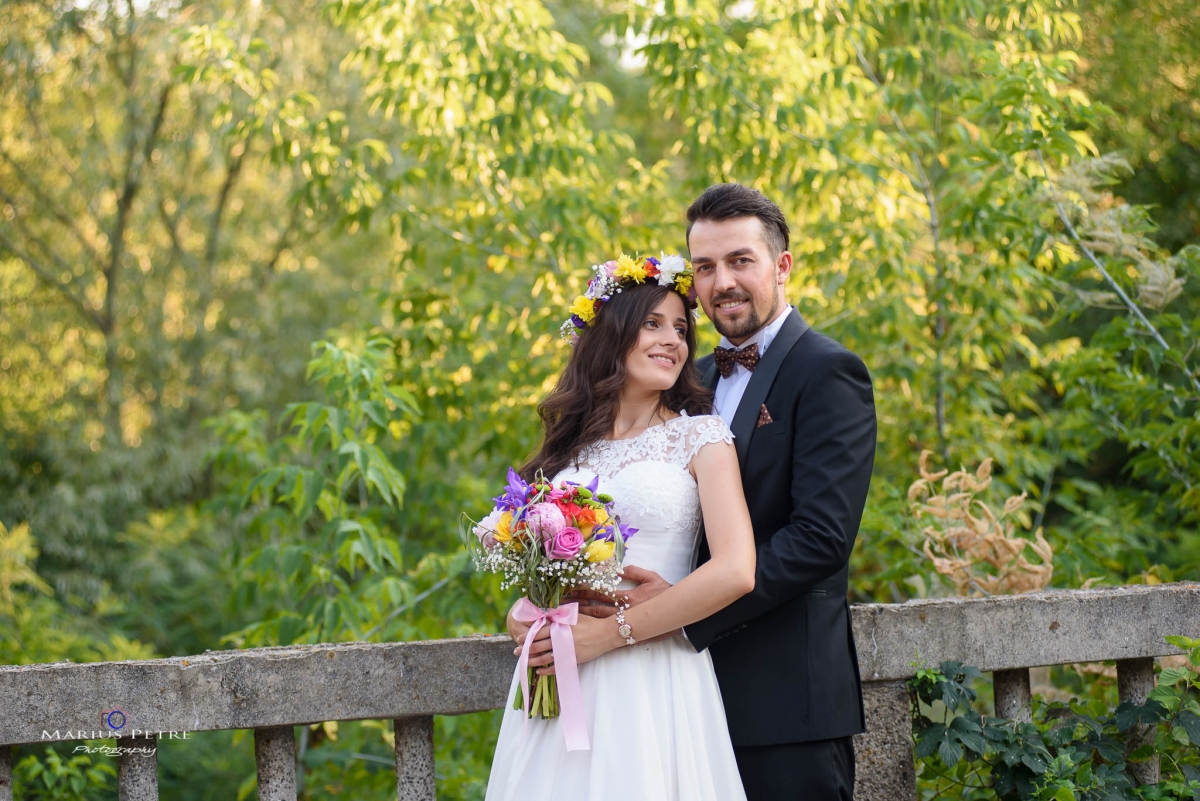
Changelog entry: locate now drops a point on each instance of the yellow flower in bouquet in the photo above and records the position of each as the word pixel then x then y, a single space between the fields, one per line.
pixel 503 532
pixel 600 550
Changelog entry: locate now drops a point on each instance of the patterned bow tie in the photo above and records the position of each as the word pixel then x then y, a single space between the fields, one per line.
pixel 726 358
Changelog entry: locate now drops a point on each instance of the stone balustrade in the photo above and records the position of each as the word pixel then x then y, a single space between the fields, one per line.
pixel 273 690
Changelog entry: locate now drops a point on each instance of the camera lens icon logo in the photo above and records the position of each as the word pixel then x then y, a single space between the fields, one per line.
pixel 113 719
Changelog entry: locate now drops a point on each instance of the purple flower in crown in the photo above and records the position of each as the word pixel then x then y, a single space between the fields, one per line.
pixel 652 260
pixel 514 494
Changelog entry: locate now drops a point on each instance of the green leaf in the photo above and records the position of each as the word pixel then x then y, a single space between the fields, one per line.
pixel 950 753
pixel 1190 723
pixel 1169 677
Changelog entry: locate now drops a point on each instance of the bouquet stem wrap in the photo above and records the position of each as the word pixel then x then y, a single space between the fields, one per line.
pixel 560 619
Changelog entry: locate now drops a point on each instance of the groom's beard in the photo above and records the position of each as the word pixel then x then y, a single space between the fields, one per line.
pixel 741 329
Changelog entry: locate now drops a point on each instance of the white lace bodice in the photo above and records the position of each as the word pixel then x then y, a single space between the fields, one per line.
pixel 653 489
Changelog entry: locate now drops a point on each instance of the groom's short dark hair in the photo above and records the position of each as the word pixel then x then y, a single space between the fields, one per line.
pixel 730 201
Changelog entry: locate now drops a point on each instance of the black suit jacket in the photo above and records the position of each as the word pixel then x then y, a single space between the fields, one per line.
pixel 784 654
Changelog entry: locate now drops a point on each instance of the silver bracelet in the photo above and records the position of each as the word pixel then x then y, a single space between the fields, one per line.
pixel 623 628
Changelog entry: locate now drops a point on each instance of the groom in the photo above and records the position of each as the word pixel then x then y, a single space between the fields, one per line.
pixel 803 418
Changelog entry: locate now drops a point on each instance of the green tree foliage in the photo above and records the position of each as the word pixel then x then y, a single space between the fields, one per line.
pixel 1142 61
pixel 165 188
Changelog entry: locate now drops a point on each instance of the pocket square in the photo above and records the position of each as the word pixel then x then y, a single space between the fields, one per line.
pixel 764 417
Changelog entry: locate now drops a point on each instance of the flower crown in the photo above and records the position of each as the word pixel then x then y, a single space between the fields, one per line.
pixel 672 270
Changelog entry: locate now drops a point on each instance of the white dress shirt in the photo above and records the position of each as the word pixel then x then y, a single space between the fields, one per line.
pixel 730 390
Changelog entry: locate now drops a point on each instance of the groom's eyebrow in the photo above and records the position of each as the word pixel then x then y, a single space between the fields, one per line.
pixel 733 254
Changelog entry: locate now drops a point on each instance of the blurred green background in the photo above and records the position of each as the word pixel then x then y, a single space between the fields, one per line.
pixel 280 285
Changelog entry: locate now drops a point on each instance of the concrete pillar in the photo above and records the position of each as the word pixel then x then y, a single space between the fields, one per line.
pixel 275 763
pixel 883 760
pixel 137 774
pixel 1014 699
pixel 6 790
pixel 1135 680
pixel 414 759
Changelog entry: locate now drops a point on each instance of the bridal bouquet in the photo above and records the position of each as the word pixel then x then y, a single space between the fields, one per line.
pixel 547 540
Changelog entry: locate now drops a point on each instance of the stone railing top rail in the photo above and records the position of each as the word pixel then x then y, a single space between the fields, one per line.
pixel 1056 627
pixel 295 685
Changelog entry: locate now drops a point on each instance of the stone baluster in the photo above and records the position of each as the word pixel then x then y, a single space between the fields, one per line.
pixel 6 788
pixel 137 773
pixel 884 753
pixel 1135 680
pixel 1014 699
pixel 275 763
pixel 414 759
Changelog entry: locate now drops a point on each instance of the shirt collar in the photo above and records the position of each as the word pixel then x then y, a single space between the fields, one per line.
pixel 762 336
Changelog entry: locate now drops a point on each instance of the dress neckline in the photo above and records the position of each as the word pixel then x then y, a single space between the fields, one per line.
pixel 646 430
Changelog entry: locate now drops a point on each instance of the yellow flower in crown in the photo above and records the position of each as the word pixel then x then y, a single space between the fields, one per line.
pixel 600 550
pixel 684 282
pixel 584 308
pixel 628 268
pixel 503 532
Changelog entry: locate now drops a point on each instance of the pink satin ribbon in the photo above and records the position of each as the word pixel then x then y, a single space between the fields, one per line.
pixel 570 697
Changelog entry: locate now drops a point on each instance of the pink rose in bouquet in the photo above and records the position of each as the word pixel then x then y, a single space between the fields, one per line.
pixel 566 544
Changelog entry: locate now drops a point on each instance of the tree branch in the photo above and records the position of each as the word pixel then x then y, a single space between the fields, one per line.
pixel 285 238
pixel 935 229
pixel 238 151
pixel 1132 307
pixel 132 183
pixel 46 277
pixel 51 205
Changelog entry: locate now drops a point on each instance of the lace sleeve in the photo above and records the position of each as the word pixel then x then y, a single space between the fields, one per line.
pixel 704 430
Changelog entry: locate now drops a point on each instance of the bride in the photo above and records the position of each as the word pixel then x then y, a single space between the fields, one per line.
pixel 629 409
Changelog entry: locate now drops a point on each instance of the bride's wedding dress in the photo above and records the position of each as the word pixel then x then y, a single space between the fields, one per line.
pixel 654 714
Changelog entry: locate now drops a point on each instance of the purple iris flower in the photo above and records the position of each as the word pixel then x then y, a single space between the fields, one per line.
pixel 514 494
pixel 578 321
pixel 594 485
pixel 627 532
pixel 653 261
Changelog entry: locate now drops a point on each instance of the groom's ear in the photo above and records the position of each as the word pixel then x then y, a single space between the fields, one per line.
pixel 783 267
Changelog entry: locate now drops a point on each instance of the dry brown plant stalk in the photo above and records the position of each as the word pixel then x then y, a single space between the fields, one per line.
pixel 976 548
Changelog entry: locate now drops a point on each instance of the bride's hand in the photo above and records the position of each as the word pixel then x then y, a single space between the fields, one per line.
pixel 516 629
pixel 539 649
pixel 593 637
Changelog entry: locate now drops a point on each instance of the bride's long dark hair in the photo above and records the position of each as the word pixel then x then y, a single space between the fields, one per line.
pixel 582 407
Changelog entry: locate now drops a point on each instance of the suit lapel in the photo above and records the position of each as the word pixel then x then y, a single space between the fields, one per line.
pixel 710 376
pixel 746 417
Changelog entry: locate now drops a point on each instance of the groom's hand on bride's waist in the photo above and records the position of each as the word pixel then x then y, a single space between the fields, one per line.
pixel 649 585
pixel 597 604
pixel 592 603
